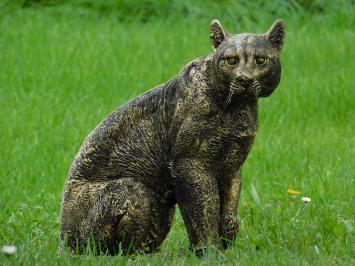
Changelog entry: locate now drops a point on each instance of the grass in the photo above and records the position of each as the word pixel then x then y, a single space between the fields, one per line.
pixel 63 70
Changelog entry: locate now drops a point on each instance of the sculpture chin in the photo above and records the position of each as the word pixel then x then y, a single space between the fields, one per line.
pixel 237 94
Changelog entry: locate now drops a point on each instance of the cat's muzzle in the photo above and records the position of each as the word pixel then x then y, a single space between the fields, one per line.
pixel 246 86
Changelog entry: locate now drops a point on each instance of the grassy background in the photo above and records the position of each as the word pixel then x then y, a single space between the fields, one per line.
pixel 64 66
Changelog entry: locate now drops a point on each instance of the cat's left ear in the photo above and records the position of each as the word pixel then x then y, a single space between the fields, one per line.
pixel 276 34
pixel 217 34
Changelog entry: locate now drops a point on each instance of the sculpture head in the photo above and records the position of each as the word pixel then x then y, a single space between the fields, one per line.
pixel 247 64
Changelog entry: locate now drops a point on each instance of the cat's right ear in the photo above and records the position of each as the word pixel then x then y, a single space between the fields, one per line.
pixel 217 34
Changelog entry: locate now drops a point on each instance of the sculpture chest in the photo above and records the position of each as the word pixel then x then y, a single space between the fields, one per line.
pixel 223 139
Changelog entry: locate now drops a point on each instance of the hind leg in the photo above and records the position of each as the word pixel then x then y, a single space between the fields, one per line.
pixel 118 213
pixel 120 216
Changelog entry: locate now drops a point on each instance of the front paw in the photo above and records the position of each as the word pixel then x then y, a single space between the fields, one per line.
pixel 228 229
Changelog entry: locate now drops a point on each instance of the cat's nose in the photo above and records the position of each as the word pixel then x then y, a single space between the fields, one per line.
pixel 245 81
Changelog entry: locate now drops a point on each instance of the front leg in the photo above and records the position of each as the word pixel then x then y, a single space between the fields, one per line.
pixel 229 194
pixel 198 199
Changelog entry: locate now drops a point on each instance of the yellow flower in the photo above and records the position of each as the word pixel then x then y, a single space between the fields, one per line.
pixel 293 192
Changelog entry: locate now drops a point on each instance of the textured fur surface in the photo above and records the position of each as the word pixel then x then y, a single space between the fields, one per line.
pixel 183 142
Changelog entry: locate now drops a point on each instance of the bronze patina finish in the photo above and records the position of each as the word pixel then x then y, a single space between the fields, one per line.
pixel 182 142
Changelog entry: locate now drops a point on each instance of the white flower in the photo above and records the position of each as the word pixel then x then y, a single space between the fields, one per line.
pixel 306 199
pixel 8 250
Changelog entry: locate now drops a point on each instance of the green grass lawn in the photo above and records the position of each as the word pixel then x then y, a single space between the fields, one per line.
pixel 62 71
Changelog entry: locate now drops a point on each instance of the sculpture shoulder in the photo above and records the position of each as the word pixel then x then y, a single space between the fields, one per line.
pixel 192 85
pixel 195 72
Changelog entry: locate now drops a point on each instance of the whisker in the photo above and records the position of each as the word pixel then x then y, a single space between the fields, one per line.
pixel 228 100
pixel 256 86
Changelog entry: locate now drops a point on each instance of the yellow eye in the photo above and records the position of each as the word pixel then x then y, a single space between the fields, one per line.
pixel 232 60
pixel 260 60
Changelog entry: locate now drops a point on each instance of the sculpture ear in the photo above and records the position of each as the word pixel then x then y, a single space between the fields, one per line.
pixel 217 33
pixel 276 34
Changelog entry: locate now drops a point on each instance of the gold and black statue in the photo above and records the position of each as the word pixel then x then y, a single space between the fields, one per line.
pixel 183 142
